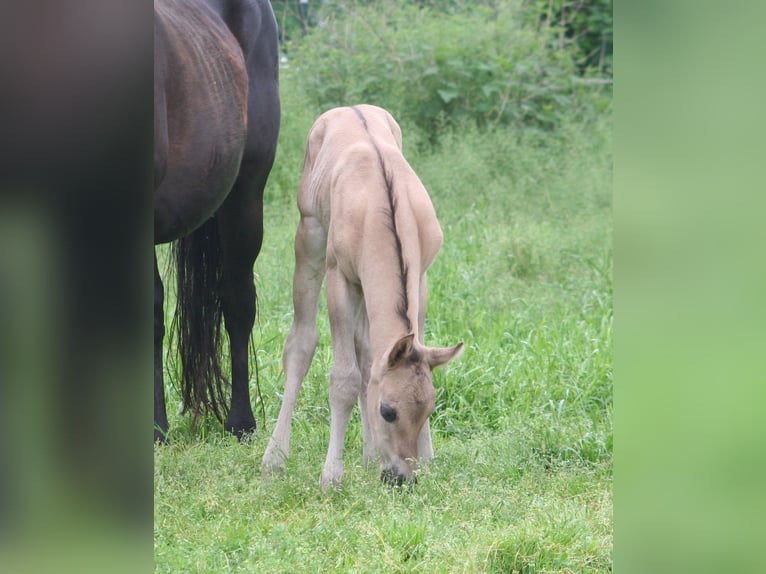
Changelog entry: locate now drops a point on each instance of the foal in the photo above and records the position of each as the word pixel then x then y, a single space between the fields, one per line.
pixel 369 224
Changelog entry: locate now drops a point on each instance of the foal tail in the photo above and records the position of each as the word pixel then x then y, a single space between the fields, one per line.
pixel 197 320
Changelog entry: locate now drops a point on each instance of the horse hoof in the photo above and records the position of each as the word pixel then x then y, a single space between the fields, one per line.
pixel 243 432
pixel 160 437
pixel 243 435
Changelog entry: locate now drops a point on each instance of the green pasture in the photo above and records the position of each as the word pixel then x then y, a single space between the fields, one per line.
pixel 522 479
pixel 523 423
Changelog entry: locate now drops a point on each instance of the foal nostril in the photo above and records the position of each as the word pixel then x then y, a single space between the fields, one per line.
pixel 392 478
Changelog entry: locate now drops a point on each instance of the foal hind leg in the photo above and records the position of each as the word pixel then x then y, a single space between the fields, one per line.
pixel 160 414
pixel 240 224
pixel 343 302
pixel 302 339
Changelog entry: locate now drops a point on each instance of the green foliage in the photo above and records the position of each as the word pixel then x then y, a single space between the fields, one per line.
pixel 291 20
pixel 526 279
pixel 584 24
pixel 441 64
pixel 213 514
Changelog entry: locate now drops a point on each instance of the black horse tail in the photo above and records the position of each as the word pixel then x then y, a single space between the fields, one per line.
pixel 198 318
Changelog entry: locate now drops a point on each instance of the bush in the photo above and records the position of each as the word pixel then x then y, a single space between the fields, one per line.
pixel 586 25
pixel 436 67
pixel 293 18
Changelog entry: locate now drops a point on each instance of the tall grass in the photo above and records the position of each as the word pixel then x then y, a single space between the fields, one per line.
pixel 523 421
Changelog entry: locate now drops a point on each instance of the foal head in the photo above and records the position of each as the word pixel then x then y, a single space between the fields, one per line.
pixel 400 398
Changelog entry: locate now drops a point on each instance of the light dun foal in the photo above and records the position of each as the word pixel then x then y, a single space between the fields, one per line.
pixel 369 224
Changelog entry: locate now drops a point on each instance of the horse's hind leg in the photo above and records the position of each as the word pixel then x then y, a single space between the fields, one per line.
pixel 240 225
pixel 301 343
pixel 160 415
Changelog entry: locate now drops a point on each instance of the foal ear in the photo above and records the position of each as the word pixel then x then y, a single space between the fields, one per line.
pixel 437 356
pixel 402 350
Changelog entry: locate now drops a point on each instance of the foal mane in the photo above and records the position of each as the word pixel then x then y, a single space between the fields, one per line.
pixel 390 212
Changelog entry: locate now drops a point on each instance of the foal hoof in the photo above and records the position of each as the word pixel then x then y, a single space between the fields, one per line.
pixel 270 470
pixel 274 461
pixel 328 484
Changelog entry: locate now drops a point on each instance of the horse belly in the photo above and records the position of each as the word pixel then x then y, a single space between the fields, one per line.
pixel 205 114
pixel 193 189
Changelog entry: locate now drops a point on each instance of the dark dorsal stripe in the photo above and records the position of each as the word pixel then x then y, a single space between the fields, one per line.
pixel 403 305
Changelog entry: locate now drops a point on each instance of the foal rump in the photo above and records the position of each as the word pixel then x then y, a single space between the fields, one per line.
pixel 368 224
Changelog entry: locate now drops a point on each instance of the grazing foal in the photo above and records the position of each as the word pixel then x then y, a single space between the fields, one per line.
pixel 369 224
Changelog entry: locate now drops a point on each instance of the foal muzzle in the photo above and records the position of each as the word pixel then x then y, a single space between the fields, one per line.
pixel 392 478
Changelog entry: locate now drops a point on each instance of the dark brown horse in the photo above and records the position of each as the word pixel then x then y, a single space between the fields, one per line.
pixel 216 121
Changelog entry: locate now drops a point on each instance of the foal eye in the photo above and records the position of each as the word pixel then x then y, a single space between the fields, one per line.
pixel 387 412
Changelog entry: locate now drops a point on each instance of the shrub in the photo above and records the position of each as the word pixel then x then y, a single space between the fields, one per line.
pixel 585 25
pixel 435 67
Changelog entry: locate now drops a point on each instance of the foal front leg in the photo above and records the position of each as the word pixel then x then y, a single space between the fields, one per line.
pixel 303 336
pixel 345 376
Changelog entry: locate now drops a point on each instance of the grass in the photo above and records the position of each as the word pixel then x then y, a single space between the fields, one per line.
pixel 523 423
pixel 480 507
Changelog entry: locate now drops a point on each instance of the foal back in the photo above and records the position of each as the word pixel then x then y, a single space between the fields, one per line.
pixel 377 215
